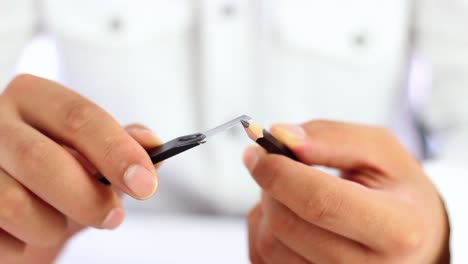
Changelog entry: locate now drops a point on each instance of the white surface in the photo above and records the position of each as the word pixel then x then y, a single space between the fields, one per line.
pixel 162 239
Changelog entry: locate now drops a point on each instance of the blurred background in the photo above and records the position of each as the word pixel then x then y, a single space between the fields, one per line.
pixel 184 66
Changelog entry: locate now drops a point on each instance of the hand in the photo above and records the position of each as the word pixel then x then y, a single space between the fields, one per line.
pixel 383 209
pixel 52 142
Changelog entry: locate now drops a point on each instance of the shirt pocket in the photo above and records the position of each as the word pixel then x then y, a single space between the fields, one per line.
pixel 358 32
pixel 126 55
pixel 334 59
pixel 121 22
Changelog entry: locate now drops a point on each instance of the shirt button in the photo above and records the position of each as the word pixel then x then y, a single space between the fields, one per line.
pixel 360 40
pixel 116 25
pixel 228 10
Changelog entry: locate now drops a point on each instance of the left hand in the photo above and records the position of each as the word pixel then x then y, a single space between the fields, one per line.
pixel 40 255
pixel 383 208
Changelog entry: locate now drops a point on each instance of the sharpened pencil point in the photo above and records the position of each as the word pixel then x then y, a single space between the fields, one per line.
pixel 245 123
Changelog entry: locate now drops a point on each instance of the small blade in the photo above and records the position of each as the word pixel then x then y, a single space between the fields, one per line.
pixel 226 126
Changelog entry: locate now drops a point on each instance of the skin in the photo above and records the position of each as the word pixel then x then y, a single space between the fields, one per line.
pixel 53 139
pixel 383 208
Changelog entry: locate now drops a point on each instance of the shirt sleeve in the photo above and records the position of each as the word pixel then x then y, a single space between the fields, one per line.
pixel 442 42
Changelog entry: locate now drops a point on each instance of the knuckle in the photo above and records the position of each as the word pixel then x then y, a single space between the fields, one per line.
pixel 78 114
pixel 112 144
pixel 323 205
pixel 267 245
pixel 281 223
pixel 14 204
pixel 267 171
pixel 407 241
pixel 20 82
pixel 33 152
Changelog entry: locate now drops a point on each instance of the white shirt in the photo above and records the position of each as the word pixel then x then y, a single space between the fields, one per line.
pixel 183 66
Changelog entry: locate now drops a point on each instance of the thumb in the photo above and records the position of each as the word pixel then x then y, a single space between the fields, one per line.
pixel 144 136
pixel 342 145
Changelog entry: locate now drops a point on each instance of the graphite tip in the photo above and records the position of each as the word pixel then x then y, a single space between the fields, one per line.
pixel 245 123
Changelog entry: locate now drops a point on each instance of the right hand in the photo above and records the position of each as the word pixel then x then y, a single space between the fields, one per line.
pixel 384 209
pixel 48 134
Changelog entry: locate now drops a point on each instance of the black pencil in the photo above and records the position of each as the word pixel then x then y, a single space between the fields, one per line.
pixel 266 140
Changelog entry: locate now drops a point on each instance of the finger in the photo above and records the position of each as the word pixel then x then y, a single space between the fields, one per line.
pixel 11 248
pixel 337 205
pixel 51 173
pixel 253 221
pixel 74 228
pixel 79 123
pixel 144 137
pixel 86 164
pixel 273 251
pixel 311 242
pixel 26 217
pixel 345 146
pixel 89 167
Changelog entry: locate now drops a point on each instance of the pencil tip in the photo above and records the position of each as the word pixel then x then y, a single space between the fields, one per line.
pixel 245 123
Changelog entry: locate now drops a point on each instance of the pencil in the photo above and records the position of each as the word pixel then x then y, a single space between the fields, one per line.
pixel 266 140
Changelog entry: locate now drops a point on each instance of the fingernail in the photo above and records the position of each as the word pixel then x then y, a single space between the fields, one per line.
pixel 291 134
pixel 114 219
pixel 251 156
pixel 140 181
